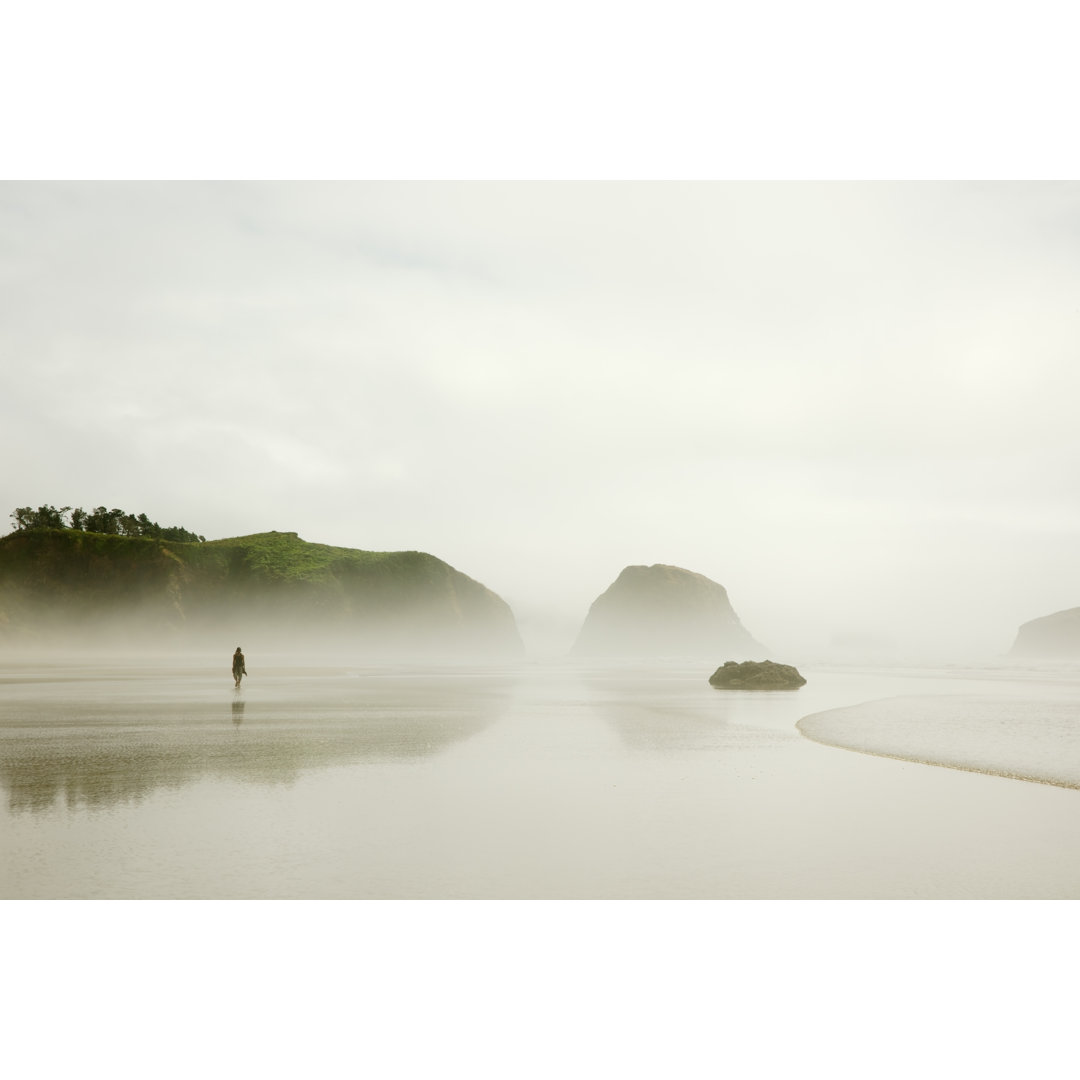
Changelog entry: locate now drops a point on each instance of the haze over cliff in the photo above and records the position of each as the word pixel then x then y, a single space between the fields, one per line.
pixel 1054 636
pixel 269 589
pixel 665 611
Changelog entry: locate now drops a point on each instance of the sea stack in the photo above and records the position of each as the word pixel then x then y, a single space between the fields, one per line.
pixel 664 611
pixel 1054 637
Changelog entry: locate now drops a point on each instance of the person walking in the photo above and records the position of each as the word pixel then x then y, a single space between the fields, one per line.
pixel 239 669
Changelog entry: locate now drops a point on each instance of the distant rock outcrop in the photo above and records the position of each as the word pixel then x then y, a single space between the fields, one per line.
pixel 663 611
pixel 1054 636
pixel 270 589
pixel 760 675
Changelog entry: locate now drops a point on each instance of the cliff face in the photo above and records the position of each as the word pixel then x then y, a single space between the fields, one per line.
pixel 664 611
pixel 1054 636
pixel 270 588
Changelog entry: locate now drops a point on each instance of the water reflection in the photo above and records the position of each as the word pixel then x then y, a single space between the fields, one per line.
pixel 104 745
pixel 674 710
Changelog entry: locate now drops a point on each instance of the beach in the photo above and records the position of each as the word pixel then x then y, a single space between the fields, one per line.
pixel 155 779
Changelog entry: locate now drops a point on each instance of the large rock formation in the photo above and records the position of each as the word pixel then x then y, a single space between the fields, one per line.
pixel 273 589
pixel 751 675
pixel 1054 636
pixel 664 611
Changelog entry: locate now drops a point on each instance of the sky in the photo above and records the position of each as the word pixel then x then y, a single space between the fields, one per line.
pixel 850 403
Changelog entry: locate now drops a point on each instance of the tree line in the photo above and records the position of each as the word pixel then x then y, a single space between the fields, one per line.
pixel 99 520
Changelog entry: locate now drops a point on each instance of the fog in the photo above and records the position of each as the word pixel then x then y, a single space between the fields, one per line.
pixel 851 404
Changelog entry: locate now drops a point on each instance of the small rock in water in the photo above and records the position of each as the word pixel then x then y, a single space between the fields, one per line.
pixel 756 675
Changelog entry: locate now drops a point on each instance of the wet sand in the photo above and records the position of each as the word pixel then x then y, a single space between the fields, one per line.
pixel 158 780
pixel 1024 731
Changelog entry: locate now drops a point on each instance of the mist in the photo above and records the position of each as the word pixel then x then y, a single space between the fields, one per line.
pixel 851 404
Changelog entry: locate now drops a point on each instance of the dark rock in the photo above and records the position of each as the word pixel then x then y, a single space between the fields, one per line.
pixel 756 675
pixel 663 611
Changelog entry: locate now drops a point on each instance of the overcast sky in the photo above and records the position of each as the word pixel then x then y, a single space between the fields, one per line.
pixel 854 405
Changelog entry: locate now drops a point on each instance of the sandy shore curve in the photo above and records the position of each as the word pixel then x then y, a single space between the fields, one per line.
pixel 1034 738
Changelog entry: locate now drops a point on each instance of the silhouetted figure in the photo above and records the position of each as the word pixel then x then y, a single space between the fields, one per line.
pixel 239 670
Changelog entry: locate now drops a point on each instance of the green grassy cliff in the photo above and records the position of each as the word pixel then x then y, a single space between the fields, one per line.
pixel 271 588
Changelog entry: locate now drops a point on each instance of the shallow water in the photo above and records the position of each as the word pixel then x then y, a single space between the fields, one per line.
pixel 158 780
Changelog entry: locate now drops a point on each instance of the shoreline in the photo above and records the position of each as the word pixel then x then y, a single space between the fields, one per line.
pixel 912 760
pixel 1032 737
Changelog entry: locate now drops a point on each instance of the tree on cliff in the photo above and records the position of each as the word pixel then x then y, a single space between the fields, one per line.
pixel 100 520
pixel 44 517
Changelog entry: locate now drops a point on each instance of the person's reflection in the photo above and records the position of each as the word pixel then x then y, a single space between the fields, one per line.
pixel 238 710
